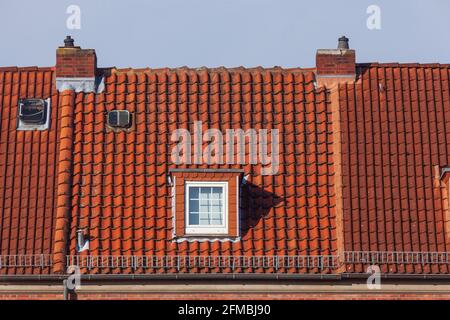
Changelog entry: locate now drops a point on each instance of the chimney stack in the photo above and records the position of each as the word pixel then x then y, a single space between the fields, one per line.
pixel 75 67
pixel 336 65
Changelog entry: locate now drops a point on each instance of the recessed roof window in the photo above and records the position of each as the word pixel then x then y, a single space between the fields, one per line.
pixel 34 114
pixel 120 119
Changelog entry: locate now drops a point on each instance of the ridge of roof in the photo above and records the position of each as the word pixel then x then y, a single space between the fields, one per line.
pixel 116 70
pixel 208 69
pixel 404 65
pixel 26 68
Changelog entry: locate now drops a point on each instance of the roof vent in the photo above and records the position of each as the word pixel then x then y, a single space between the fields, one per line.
pixel 34 114
pixel 120 119
pixel 343 43
pixel 82 243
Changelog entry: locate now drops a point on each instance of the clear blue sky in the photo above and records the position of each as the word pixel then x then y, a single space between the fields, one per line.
pixel 173 33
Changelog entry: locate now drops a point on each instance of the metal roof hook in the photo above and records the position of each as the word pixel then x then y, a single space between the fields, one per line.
pixel 245 179
pixel 169 181
pixel 82 242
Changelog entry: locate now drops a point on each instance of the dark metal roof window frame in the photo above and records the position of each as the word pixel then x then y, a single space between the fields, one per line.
pixel 119 120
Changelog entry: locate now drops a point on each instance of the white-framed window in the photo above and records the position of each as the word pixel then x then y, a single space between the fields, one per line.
pixel 34 114
pixel 206 207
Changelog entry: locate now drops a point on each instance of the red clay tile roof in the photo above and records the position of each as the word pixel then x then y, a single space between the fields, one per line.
pixel 120 189
pixel 395 138
pixel 28 165
pixel 359 169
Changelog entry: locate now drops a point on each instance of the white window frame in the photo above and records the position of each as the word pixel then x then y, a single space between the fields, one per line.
pixel 208 229
pixel 22 126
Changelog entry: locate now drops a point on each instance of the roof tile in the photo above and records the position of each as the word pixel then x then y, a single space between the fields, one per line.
pixel 384 136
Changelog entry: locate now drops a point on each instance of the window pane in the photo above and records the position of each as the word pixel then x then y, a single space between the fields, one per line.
pixel 206 206
pixel 216 193
pixel 204 220
pixel 216 214
pixel 193 192
pixel 193 205
pixel 193 219
pixel 204 191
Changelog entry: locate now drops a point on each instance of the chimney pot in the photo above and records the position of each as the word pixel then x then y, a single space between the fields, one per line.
pixel 69 42
pixel 343 43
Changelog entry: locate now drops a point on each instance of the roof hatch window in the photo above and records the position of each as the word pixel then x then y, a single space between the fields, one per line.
pixel 34 114
pixel 119 119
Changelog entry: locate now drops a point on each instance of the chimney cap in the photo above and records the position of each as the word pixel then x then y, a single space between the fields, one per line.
pixel 69 42
pixel 343 43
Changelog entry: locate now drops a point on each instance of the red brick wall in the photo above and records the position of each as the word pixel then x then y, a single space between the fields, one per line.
pixel 31 296
pixel 226 296
pixel 335 64
pixel 263 296
pixel 75 63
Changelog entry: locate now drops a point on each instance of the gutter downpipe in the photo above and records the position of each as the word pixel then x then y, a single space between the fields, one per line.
pixel 66 290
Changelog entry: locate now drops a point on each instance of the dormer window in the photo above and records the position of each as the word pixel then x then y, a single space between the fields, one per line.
pixel 206 203
pixel 34 114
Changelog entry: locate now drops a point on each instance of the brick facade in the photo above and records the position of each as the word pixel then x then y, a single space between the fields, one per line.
pixel 75 63
pixel 227 296
pixel 335 62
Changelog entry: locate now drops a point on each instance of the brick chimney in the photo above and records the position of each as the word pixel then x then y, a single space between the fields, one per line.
pixel 76 68
pixel 336 65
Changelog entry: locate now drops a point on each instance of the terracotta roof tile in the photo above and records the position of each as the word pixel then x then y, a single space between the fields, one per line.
pixel 359 166
pixel 393 137
pixel 120 190
pixel 27 169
